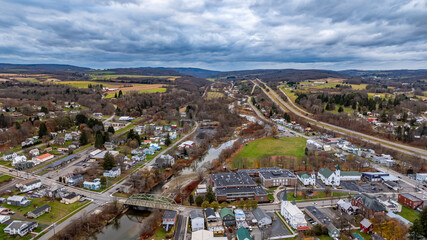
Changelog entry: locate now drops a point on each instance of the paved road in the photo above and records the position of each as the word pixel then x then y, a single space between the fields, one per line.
pixel 389 144
pixel 181 228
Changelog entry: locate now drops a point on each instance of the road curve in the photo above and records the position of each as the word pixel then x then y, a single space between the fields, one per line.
pixel 389 144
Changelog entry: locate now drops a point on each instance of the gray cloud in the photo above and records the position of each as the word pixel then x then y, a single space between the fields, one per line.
pixel 227 34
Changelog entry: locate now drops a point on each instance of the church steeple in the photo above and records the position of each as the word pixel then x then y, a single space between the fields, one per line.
pixel 285 195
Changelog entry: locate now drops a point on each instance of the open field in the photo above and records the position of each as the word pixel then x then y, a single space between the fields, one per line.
pixel 290 146
pixel 58 211
pixel 212 95
pixel 5 178
pixel 82 84
pixel 140 88
pixel 22 79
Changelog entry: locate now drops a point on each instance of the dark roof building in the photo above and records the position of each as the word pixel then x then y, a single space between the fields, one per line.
pixel 39 211
pixel 410 200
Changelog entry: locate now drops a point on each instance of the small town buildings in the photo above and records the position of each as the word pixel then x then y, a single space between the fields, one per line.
pixel 366 226
pixel 62 161
pixel 239 215
pixel 9 156
pixel 18 159
pixel 125 188
pixel 263 219
pixel 94 153
pixel 109 146
pixel 70 198
pixel 20 228
pixel 293 215
pixel 114 172
pixel 39 211
pixel 410 200
pixel 243 234
pixel 227 217
pixel 213 222
pixel 29 185
pixel 307 179
pixel 169 218
pixel 333 232
pixel 201 190
pixel 328 177
pixel 45 157
pixel 368 205
pixel 139 157
pixel 19 201
pixel 102 154
pixel 210 215
pixel 384 159
pixel 95 185
pixel 186 145
pixel 197 220
pixel 421 177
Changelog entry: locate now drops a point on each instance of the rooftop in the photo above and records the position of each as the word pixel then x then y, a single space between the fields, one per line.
pixel 410 197
pixel 231 179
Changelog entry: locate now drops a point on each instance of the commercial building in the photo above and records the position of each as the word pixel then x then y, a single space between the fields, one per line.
pixel 18 201
pixel 274 178
pixel 29 185
pixel 236 186
pixel 410 200
pixel 95 185
pixel 368 205
pixel 292 214
pixel 374 176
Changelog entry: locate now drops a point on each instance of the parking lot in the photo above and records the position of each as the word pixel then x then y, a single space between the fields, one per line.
pixel 318 215
pixel 372 187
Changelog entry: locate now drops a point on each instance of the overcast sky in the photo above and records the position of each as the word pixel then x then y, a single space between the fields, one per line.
pixel 214 34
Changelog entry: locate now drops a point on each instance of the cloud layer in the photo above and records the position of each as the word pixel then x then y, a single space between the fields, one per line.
pixel 223 35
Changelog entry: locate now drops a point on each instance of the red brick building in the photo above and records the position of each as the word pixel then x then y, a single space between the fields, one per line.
pixel 409 200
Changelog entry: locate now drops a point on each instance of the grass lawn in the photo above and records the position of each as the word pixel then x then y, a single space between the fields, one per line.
pixel 324 237
pixel 127 128
pixel 316 195
pixel 5 236
pixel 6 163
pixel 5 178
pixel 271 197
pixel 290 146
pixel 58 211
pixel 409 214
pixel 160 234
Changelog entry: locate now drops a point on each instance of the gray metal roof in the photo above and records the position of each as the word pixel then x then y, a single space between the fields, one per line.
pixel 41 209
pixel 231 179
pixel 169 214
pixel 259 214
pixel 62 160
pixel 256 190
pixel 410 197
pixel 281 173
pixel 196 213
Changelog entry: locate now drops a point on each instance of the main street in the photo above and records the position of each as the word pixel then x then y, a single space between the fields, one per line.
pixel 367 138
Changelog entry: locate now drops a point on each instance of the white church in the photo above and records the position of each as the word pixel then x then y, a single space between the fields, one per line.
pixel 293 215
pixel 334 178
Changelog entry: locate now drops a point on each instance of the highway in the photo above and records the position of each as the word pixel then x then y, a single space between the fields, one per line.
pixel 389 144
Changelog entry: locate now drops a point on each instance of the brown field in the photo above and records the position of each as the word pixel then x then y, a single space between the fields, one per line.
pixel 52 80
pixel 135 87
pixel 4 80
pixel 330 80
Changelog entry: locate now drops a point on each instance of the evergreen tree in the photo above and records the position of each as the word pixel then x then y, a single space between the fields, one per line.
pixel 419 229
pixel 115 95
pixel 210 195
pixel 199 201
pixel 17 125
pixel 44 110
pixel 99 140
pixel 42 130
pixel 120 93
pixel 168 140
pixel 111 129
pixel 83 138
pixel 109 161
pixel 340 109
pixel 3 123
pixel 103 181
pixel 191 199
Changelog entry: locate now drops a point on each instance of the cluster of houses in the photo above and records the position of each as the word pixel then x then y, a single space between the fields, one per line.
pixel 20 161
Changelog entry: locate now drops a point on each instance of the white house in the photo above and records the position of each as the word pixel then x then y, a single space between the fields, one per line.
pixel 293 215
pixel 390 205
pixel 9 156
pixel 239 215
pixel 307 179
pixel 34 152
pixel 20 227
pixel 139 157
pixel 114 172
pixel 29 185
pixel 18 159
pixel 197 220
pixel 421 177
pixel 262 217
pixel 4 219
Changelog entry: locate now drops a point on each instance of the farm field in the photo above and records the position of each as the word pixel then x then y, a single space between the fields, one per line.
pixel 289 146
pixel 22 79
pixel 110 77
pixel 82 84
pixel 212 95
pixel 140 88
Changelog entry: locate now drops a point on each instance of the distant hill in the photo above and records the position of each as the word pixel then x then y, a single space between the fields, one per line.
pixel 195 72
pixel 387 73
pixel 294 75
pixel 7 67
pixel 144 71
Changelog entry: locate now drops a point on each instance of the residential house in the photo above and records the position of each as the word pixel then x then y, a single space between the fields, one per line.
pixel 333 232
pixel 421 177
pixel 165 161
pixel 29 185
pixel 239 215
pixel 243 234
pixel 139 157
pixel 20 228
pixel 114 172
pixel 4 219
pixel 19 201
pixel 262 217
pixel 109 146
pixel 149 151
pixel 345 206
pixel 205 235
pixel 197 220
pixel 369 205
pixel 210 215
pixel 366 226
pixel 227 217
pixel 293 215
pixel 213 222
pixel 306 179
pixel 169 218
pixel 68 137
pixel 186 145
pixel 39 211
pixel 34 152
pixel 18 159
pixel 70 198
pixel 9 156
pixel 74 179
pixel 95 185
pixel 137 151
pixel 384 159
pixel 410 200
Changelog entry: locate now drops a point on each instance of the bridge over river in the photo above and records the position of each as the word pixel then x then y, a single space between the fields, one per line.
pixel 152 201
